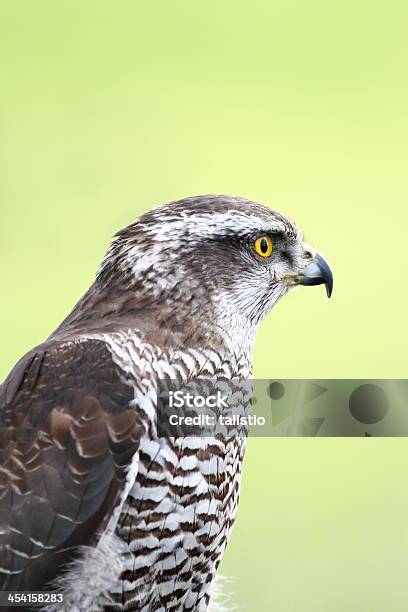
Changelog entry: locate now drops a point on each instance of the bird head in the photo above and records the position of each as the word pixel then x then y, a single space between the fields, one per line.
pixel 221 256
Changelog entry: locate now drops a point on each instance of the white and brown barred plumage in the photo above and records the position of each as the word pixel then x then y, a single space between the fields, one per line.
pixel 92 501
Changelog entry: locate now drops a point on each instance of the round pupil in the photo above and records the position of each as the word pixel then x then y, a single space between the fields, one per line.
pixel 264 245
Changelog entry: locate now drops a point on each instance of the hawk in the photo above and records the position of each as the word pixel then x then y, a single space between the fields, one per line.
pixel 93 503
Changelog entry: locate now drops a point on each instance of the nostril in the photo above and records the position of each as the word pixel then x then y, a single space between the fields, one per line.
pixel 309 254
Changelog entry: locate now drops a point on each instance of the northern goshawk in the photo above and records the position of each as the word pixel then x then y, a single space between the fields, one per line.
pixel 93 503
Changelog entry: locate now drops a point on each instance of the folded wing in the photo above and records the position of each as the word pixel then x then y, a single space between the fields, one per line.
pixel 67 438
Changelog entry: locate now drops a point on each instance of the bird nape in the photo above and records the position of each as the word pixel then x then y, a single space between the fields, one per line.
pixel 93 502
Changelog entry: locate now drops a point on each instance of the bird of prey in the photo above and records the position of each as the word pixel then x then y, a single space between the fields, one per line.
pixel 93 503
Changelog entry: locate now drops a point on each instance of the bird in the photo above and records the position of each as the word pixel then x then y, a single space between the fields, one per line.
pixel 95 505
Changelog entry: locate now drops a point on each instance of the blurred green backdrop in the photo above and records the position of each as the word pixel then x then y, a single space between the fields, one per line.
pixel 110 107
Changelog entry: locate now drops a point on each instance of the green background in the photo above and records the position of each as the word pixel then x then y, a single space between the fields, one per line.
pixel 110 107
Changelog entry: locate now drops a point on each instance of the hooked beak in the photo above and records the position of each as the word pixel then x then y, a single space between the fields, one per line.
pixel 317 272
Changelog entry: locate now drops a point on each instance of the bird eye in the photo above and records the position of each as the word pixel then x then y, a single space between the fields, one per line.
pixel 263 246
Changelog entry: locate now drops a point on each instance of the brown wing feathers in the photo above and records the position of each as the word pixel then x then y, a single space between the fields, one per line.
pixel 67 435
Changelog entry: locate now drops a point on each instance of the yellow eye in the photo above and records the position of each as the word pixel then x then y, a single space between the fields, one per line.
pixel 263 246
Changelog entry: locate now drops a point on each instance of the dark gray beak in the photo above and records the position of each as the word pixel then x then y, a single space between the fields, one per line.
pixel 317 272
